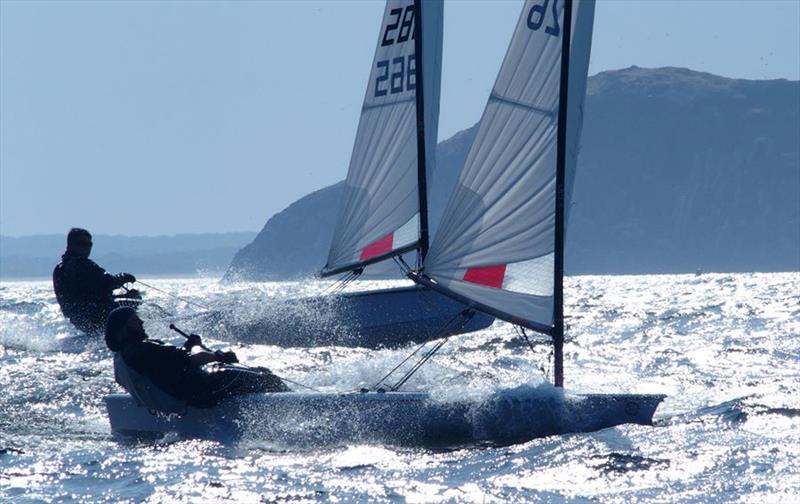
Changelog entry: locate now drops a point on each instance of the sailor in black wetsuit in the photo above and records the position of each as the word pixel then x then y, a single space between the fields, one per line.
pixel 83 289
pixel 178 371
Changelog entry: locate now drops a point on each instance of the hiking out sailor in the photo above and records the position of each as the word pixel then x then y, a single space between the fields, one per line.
pixel 167 378
pixel 83 289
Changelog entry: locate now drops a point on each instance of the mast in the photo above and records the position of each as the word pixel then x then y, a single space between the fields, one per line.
pixel 422 182
pixel 561 157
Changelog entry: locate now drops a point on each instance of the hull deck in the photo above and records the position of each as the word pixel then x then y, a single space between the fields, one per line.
pixel 370 319
pixel 403 418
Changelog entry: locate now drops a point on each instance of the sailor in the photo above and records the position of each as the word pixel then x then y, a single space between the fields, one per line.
pixel 83 289
pixel 177 373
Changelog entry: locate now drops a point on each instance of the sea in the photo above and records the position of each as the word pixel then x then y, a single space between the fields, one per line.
pixel 724 348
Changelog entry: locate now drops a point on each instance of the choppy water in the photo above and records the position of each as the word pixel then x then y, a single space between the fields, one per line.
pixel 724 348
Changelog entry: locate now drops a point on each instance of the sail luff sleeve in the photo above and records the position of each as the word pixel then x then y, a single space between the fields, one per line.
pixel 380 213
pixel 496 241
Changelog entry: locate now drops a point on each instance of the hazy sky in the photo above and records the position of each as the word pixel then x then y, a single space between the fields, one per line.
pixel 167 117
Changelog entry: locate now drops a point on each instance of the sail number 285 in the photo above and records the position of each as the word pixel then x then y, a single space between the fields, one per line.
pixel 537 14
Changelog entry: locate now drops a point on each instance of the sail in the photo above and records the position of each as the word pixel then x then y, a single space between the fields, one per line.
pixel 495 246
pixel 382 211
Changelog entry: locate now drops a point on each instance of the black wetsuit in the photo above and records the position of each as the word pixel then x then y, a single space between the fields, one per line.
pixel 168 367
pixel 84 292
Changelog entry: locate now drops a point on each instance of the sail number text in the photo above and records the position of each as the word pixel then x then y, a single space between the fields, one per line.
pixel 400 77
pixel 397 75
pixel 401 27
pixel 537 14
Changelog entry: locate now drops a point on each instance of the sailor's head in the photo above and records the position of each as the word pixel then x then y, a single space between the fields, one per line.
pixel 79 241
pixel 123 326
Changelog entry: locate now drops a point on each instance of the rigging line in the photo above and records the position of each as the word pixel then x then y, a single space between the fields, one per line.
pixel 425 358
pixel 398 264
pixel 354 276
pixel 157 306
pixel 467 315
pixel 420 347
pixel 188 301
pixel 408 268
pixel 342 282
pixel 521 331
pixel 404 268
pixel 334 287
pixel 335 284
pixel 299 384
pixel 350 278
pixel 160 308
pixel 398 366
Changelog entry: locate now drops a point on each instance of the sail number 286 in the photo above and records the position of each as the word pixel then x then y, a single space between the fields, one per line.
pixel 537 14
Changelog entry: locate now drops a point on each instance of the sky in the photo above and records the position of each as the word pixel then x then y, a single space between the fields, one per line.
pixel 147 118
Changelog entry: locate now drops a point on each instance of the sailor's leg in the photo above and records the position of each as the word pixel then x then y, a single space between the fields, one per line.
pixel 211 387
pixel 252 380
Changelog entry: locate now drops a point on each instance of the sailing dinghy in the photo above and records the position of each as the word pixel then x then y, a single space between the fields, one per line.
pixel 383 213
pixel 500 250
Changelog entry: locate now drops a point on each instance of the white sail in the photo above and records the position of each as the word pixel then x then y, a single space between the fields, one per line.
pixel 495 244
pixel 380 214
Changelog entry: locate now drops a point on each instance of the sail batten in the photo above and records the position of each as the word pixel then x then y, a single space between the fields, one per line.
pixel 496 97
pixel 499 243
pixel 393 154
pixel 388 104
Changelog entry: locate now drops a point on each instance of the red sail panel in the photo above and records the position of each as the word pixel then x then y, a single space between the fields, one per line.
pixel 490 276
pixel 378 247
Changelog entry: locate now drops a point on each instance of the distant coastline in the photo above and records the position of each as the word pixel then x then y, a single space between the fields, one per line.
pixel 180 255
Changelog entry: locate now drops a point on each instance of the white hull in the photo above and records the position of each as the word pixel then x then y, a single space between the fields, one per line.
pixel 393 417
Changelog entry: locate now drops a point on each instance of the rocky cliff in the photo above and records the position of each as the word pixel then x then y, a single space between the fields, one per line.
pixel 678 171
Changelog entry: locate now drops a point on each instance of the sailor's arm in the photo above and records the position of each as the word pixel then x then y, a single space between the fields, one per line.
pixel 118 280
pixel 194 342
pixel 99 276
pixel 203 357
